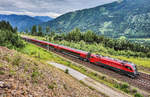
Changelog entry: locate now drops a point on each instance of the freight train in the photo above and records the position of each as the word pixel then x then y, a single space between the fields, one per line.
pixel 120 66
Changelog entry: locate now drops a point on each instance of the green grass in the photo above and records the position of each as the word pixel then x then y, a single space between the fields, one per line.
pixel 37 52
pixel 41 54
pixel 45 56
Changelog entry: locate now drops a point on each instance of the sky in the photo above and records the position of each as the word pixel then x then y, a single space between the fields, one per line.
pixel 52 8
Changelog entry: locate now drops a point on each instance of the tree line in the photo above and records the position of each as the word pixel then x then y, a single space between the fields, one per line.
pixel 90 37
pixel 38 30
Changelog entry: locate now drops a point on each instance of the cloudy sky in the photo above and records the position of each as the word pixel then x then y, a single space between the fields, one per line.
pixel 51 8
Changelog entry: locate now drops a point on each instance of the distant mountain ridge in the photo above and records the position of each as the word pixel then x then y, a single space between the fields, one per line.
pixel 43 18
pixel 130 18
pixel 23 22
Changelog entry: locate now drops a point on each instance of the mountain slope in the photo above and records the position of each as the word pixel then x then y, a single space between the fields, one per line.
pixel 22 22
pixel 43 18
pixel 130 18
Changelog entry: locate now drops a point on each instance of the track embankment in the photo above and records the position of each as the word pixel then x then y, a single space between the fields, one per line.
pixel 90 82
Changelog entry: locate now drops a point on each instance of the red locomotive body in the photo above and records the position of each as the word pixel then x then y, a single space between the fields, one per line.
pixel 124 67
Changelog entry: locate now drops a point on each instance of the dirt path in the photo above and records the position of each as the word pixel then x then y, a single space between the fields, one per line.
pixel 90 82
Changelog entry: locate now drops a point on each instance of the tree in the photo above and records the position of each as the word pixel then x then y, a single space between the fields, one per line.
pixel 74 35
pixel 34 30
pixel 47 29
pixel 77 34
pixel 26 31
pixel 40 31
pixel 15 30
pixel 9 36
pixel 89 36
pixel 52 34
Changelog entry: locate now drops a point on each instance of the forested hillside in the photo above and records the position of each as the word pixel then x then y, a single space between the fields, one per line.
pixel 130 18
pixel 43 18
pixel 22 22
pixel 9 36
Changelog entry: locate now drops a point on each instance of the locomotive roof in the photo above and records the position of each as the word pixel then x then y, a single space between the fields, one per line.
pixel 117 60
pixel 63 46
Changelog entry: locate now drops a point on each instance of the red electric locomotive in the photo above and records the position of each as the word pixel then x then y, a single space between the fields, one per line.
pixel 124 67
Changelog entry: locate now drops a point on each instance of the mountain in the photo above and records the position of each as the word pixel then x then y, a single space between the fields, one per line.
pixel 22 22
pixel 43 18
pixel 130 18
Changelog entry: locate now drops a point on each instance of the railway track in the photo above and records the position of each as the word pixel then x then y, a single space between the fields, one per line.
pixel 142 81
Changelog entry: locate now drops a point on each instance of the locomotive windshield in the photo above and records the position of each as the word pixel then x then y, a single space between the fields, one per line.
pixel 134 66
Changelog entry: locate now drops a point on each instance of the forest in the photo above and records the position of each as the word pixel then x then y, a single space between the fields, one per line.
pixel 9 36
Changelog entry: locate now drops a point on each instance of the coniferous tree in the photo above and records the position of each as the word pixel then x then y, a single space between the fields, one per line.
pixel 40 31
pixel 34 30
pixel 15 30
pixel 9 36
pixel 47 29
pixel 26 31
pixel 89 36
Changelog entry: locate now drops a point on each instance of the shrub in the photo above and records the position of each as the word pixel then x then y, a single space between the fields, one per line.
pixel 103 77
pixel 126 90
pixel 95 74
pixel 116 85
pixel 67 71
pixel 138 95
pixel 50 86
pixel 1 73
pixel 134 90
pixel 124 86
pixel 35 74
pixel 65 87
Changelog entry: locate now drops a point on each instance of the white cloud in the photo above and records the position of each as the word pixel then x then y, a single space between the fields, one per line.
pixel 54 15
pixel 51 8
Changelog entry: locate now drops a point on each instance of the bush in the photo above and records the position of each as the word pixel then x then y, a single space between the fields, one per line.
pixel 67 71
pixel 134 90
pixel 103 77
pixel 124 86
pixel 126 90
pixel 116 85
pixel 138 95
pixel 51 86
pixel 65 87
pixel 1 73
